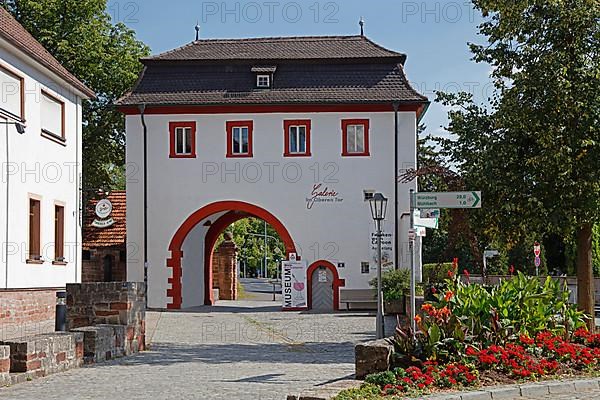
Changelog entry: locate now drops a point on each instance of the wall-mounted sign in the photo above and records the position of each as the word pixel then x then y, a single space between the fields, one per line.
pixel 293 276
pixel 322 194
pixel 103 211
pixel 322 276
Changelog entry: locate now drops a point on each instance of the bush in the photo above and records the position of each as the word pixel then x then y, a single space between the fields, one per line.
pixel 394 284
pixel 436 273
pixel 365 392
pixel 381 379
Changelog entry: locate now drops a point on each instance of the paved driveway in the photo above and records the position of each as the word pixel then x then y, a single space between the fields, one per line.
pixel 237 350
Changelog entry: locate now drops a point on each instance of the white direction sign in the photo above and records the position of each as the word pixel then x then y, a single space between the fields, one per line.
pixel 447 200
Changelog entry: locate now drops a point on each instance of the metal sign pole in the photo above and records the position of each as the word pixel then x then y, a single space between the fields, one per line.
pixel 411 245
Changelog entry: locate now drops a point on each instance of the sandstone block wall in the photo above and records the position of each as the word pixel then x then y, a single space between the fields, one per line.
pixel 113 303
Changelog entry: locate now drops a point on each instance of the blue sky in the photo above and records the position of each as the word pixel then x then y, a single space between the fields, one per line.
pixel 434 34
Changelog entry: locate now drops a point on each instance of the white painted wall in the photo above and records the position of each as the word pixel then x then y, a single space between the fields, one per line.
pixel 335 232
pixel 46 169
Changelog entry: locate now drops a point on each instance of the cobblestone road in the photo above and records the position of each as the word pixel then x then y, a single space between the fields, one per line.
pixel 232 352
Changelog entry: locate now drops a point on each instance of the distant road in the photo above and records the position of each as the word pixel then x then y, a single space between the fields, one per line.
pixel 259 285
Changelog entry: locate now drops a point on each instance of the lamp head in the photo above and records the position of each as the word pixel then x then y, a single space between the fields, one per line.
pixel 20 128
pixel 378 204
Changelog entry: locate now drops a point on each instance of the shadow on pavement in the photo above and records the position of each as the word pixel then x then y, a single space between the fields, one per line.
pixel 162 354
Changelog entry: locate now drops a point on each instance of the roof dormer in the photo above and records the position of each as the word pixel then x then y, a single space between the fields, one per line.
pixel 264 76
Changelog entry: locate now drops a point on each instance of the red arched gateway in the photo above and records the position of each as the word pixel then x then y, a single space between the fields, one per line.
pixel 234 210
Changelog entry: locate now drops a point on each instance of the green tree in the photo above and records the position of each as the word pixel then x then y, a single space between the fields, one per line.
pixel 105 56
pixel 247 235
pixel 536 147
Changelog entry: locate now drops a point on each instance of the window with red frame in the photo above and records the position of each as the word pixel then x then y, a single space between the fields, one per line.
pixel 297 138
pixel 355 137
pixel 239 138
pixel 182 139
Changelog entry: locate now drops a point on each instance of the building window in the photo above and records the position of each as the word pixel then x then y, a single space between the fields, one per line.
pixel 355 137
pixel 12 88
pixel 53 117
pixel 239 138
pixel 364 268
pixel 59 234
pixel 86 255
pixel 182 142
pixel 263 81
pixel 34 230
pixel 297 138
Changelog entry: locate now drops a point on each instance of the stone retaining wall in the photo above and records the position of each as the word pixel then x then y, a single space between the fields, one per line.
pixel 113 303
pixel 4 365
pixel 102 342
pixel 45 354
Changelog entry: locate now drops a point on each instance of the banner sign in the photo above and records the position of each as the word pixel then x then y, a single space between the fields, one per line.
pixel 387 249
pixel 293 275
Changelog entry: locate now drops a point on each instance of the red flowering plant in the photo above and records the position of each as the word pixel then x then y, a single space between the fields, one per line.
pixel 419 380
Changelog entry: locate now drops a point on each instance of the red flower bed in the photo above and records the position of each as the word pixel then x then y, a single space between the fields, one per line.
pixel 417 380
pixel 544 355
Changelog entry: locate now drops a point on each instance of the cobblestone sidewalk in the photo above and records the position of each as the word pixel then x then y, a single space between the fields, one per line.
pixel 232 352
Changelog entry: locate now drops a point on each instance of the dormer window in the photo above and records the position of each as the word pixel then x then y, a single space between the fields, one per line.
pixel 264 75
pixel 263 81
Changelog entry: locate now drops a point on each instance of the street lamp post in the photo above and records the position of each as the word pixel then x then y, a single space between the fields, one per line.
pixel 378 206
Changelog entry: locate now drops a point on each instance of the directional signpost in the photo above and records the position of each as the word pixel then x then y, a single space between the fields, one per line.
pixel 431 201
pixel 448 200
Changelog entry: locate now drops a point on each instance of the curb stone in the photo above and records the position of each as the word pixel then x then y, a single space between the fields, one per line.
pixel 533 390
pixel 526 390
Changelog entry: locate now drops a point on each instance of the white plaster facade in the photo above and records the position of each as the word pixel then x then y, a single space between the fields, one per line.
pixel 35 166
pixel 337 232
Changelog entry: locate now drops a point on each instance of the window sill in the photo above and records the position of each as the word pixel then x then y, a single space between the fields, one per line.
pixel 356 154
pixel 36 262
pixel 182 156
pixel 239 155
pixel 53 137
pixel 62 263
pixel 297 154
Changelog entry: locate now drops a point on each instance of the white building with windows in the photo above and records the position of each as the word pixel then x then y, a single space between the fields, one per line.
pixel 40 149
pixel 297 131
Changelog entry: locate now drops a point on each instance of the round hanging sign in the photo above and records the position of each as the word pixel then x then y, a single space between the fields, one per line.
pixel 103 208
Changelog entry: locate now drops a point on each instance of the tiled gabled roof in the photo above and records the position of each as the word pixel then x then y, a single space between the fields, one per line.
pixel 112 236
pixel 307 70
pixel 292 84
pixel 15 34
pixel 280 48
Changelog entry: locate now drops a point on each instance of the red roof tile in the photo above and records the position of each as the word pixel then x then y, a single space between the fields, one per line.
pixel 112 236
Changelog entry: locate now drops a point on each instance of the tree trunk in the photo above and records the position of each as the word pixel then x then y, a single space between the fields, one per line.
pixel 585 274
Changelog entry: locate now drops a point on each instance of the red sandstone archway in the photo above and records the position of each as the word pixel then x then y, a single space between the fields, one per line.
pixel 235 210
pixel 337 282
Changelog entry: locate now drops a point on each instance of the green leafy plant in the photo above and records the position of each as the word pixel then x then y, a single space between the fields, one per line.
pixel 381 378
pixel 394 284
pixel 436 273
pixel 467 313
